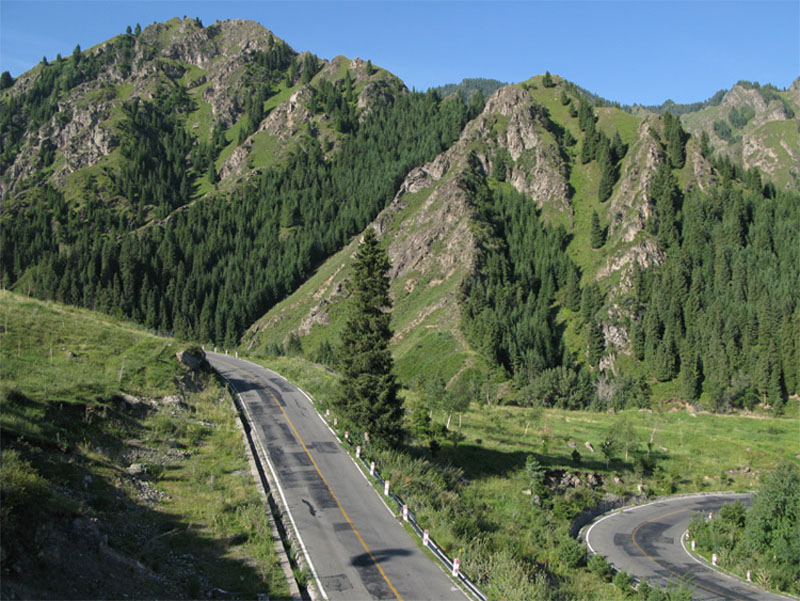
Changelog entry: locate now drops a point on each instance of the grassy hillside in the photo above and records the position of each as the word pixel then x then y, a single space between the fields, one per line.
pixel 425 318
pixel 475 494
pixel 119 461
pixel 757 125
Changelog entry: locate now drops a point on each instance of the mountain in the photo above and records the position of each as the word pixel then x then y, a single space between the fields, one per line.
pixel 212 182
pixel 756 126
pixel 468 86
pixel 443 241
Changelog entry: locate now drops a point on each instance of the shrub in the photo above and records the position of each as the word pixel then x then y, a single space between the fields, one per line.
pixel 22 493
pixel 571 553
pixel 597 564
pixel 623 581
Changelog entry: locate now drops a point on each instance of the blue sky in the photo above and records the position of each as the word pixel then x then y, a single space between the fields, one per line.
pixel 631 51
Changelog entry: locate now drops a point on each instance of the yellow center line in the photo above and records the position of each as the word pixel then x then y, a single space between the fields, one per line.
pixel 324 481
pixel 710 589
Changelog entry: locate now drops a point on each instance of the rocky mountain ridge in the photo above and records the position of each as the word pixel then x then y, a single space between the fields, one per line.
pixel 247 105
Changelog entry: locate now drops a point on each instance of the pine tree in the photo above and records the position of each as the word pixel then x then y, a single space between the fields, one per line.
pixel 598 234
pixel 547 80
pixel 676 141
pixel 6 81
pixel 572 292
pixel 691 375
pixel 618 148
pixel 596 343
pixel 368 389
pixel 605 161
pixel 705 144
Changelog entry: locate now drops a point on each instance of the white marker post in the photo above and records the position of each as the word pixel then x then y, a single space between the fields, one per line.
pixel 327 413
pixel 358 451
pixel 426 536
pixel 347 434
pixel 386 488
pixel 710 514
pixel 749 579
pixel 694 543
pixel 713 559
pixel 372 468
pixel 335 421
pixel 456 566
pixel 237 354
pixel 405 513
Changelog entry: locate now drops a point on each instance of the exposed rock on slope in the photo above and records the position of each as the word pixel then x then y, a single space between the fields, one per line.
pixel 513 121
pixel 769 140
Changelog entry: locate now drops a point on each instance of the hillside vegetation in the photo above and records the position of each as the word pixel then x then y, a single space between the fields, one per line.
pixel 504 483
pixel 679 282
pixel 123 472
pixel 563 271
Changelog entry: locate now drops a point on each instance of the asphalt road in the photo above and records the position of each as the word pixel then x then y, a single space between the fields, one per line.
pixel 356 547
pixel 645 541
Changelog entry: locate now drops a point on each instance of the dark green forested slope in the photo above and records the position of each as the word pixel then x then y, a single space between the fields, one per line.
pixel 717 319
pixel 210 270
pixel 163 233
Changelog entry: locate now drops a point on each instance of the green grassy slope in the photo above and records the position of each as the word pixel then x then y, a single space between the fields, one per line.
pixel 156 488
pixel 769 140
pixel 425 316
pixel 474 495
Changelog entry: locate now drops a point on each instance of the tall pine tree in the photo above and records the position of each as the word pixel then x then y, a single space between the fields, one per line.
pixel 368 389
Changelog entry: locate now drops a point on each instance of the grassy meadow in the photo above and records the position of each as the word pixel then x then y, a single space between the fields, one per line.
pixel 162 476
pixel 475 496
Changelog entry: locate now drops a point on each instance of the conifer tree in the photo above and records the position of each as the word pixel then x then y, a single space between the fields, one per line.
pixel 368 389
pixel 676 141
pixel 598 234
pixel 691 375
pixel 596 343
pixel 705 144
pixel 573 290
pixel 618 148
pixel 607 169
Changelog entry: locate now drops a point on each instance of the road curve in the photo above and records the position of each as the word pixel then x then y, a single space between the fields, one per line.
pixel 645 541
pixel 356 547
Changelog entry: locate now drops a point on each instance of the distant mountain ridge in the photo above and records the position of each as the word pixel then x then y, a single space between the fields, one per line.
pixel 469 85
pixel 212 182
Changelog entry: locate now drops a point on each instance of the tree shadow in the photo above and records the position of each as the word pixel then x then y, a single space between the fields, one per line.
pixel 95 531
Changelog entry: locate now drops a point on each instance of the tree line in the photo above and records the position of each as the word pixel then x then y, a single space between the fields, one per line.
pixel 214 267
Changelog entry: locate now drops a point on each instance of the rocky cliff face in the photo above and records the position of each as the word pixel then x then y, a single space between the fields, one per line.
pixel 209 61
pixel 213 64
pixel 769 140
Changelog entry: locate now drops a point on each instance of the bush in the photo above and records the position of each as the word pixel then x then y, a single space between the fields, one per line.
pixel 623 581
pixel 597 564
pixel 22 493
pixel 571 553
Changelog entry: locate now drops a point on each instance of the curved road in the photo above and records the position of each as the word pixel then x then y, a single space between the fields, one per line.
pixel 645 541
pixel 356 547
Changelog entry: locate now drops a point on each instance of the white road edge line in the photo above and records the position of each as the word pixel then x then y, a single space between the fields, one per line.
pixel 729 575
pixel 629 508
pixel 358 467
pixel 283 497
